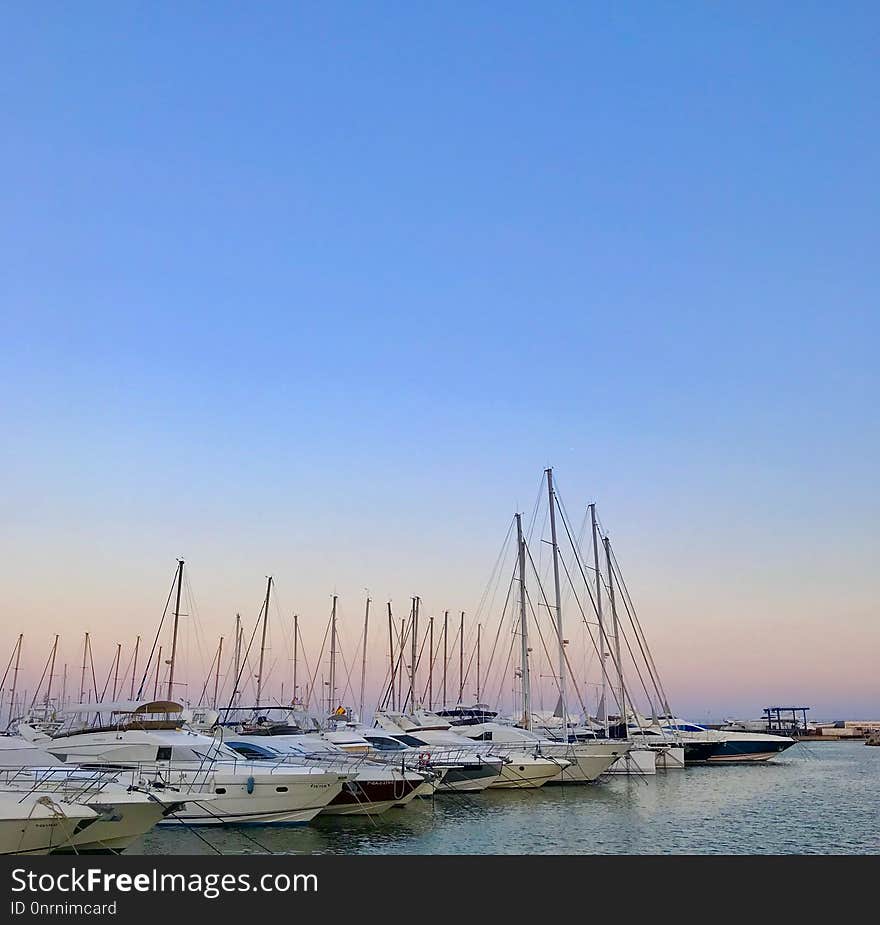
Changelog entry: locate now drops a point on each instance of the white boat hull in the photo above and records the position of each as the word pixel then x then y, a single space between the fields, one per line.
pixel 29 826
pixel 588 760
pixel 526 773
pixel 637 762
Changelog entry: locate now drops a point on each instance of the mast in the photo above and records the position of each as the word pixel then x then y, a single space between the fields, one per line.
pixel 524 628
pixel 51 672
pixel 295 654
pixel 551 493
pixel 82 678
pixel 158 668
pixel 331 687
pixel 174 635
pixel 391 655
pixel 461 660
pixel 15 675
pixel 479 631
pixel 217 672
pixel 116 669
pixel 263 639
pixel 603 705
pixel 137 645
pixel 413 653
pixel 236 660
pixel 401 666
pixel 63 687
pixel 621 696
pixel 445 655
pixel 431 663
pixel 364 660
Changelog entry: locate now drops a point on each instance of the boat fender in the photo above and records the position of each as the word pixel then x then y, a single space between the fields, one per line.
pixel 250 784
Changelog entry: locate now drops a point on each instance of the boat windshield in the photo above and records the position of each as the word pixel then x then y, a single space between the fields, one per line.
pixel 383 744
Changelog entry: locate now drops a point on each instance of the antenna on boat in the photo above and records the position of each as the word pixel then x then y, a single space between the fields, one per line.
pixel 551 493
pixel 263 639
pixel 174 633
pixel 524 627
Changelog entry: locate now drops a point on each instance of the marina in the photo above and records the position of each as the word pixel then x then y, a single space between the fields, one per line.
pixel 107 773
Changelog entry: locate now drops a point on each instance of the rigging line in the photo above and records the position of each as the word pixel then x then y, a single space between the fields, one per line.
pixel 501 622
pixel 621 583
pixel 580 608
pixel 197 629
pixel 244 663
pixel 207 679
pixel 498 699
pixel 314 676
pixel 40 684
pixel 146 674
pixel 610 652
pixel 641 648
pixel 495 569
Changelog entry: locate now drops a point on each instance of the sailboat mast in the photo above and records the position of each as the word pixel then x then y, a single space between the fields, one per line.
pixel 263 639
pixel 158 668
pixel 331 688
pixel 174 635
pixel 461 659
pixel 431 663
pixel 134 665
pixel 236 660
pixel 621 695
pixel 445 652
pixel 524 628
pixel 51 672
pixel 116 669
pixel 15 675
pixel 295 654
pixel 63 688
pixel 364 660
pixel 414 648
pixel 391 656
pixel 82 678
pixel 479 632
pixel 401 658
pixel 603 704
pixel 217 672
pixel 551 493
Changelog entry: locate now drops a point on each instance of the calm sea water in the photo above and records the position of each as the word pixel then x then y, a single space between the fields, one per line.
pixel 813 799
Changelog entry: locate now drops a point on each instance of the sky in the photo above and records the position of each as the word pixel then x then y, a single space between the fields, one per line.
pixel 319 290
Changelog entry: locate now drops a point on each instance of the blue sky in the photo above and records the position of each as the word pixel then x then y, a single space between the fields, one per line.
pixel 319 290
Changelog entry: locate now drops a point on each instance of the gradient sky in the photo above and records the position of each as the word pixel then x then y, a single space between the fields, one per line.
pixel 318 290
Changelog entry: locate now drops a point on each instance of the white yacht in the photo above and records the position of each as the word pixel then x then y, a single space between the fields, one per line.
pixel 524 767
pixel 122 813
pixel 34 823
pixel 145 738
pixel 371 788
